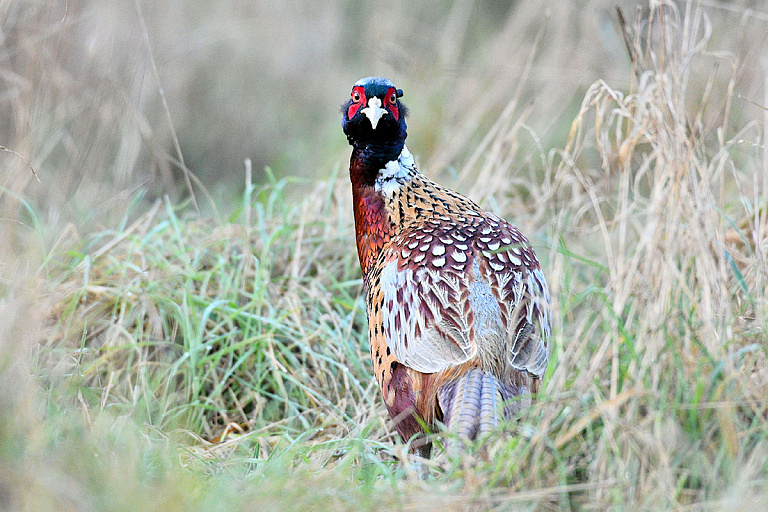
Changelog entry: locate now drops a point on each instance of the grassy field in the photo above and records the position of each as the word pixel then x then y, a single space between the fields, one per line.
pixel 163 351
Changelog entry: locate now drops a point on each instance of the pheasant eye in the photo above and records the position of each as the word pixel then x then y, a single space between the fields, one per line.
pixel 355 96
pixel 393 98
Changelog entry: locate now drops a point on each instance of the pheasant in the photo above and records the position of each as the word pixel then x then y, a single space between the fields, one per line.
pixel 458 307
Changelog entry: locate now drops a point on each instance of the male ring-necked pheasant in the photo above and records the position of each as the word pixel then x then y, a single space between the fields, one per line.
pixel 458 308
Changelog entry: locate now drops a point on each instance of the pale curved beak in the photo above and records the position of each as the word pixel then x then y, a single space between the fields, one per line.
pixel 373 111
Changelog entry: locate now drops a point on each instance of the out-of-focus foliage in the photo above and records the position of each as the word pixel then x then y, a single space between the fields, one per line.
pixel 94 92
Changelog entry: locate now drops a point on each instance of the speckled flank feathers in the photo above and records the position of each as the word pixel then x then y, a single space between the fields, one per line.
pixel 458 308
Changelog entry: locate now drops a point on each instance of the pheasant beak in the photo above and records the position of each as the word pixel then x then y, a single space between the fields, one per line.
pixel 373 111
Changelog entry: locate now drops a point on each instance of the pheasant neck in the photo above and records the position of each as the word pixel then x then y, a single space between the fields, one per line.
pixel 373 227
pixel 368 159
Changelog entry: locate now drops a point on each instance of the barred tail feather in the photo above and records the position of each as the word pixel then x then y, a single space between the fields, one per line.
pixel 474 404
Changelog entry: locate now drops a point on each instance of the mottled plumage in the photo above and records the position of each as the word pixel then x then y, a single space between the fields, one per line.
pixel 458 308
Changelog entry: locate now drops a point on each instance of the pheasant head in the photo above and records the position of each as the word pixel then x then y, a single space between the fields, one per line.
pixel 374 120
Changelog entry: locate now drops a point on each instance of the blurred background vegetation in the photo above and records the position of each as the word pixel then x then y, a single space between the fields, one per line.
pixel 82 84
pixel 94 93
pixel 214 354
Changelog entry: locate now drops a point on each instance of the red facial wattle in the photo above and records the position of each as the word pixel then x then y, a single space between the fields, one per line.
pixel 361 101
pixel 392 105
pixel 390 102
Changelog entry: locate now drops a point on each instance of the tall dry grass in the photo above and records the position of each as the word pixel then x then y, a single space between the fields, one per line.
pixel 216 363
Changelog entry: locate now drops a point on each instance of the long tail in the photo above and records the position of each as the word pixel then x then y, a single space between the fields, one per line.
pixel 475 403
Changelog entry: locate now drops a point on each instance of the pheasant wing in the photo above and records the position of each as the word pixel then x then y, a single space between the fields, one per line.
pixel 446 294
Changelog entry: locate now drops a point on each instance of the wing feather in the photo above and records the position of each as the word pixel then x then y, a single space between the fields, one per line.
pixel 450 293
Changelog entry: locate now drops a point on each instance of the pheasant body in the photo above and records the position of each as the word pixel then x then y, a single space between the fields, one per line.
pixel 458 308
